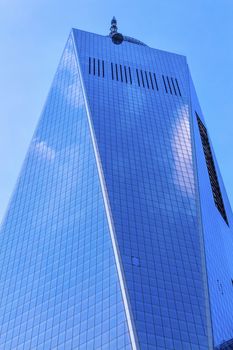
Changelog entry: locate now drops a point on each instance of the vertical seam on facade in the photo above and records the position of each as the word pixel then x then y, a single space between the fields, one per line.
pixel 131 328
pixel 199 211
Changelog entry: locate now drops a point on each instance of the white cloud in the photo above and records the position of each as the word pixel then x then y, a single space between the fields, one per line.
pixel 43 150
pixel 182 152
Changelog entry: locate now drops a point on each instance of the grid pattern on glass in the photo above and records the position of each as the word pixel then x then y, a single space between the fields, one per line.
pixel 146 152
pixel 217 236
pixel 211 169
pixel 59 284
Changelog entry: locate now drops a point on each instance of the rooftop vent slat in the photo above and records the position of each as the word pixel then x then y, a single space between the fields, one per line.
pixel 164 83
pixel 178 86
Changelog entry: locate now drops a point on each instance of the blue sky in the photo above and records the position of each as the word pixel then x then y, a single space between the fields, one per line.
pixel 32 37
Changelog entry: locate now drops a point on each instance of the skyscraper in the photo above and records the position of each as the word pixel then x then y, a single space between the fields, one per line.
pixel 118 234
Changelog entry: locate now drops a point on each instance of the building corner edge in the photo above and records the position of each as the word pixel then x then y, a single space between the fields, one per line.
pixel 119 267
pixel 200 222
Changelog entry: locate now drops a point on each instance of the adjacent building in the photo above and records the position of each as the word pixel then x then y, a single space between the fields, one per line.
pixel 119 231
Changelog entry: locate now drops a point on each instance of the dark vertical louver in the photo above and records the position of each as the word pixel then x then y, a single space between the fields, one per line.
pixel 98 68
pixel 156 84
pixel 130 77
pixel 112 71
pixel 174 88
pixel 178 86
pixel 121 73
pixel 142 79
pixel 147 83
pixel 116 69
pixel 103 69
pixel 211 169
pixel 164 83
pixel 126 78
pixel 151 81
pixel 94 66
pixel 89 65
pixel 169 85
pixel 138 77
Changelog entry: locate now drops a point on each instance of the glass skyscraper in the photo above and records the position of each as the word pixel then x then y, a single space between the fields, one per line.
pixel 118 234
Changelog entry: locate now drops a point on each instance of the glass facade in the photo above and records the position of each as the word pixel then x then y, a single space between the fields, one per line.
pixel 112 239
pixel 59 283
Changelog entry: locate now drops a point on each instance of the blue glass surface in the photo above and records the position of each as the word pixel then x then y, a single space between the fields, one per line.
pixel 59 285
pixel 218 242
pixel 144 139
pixel 60 280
